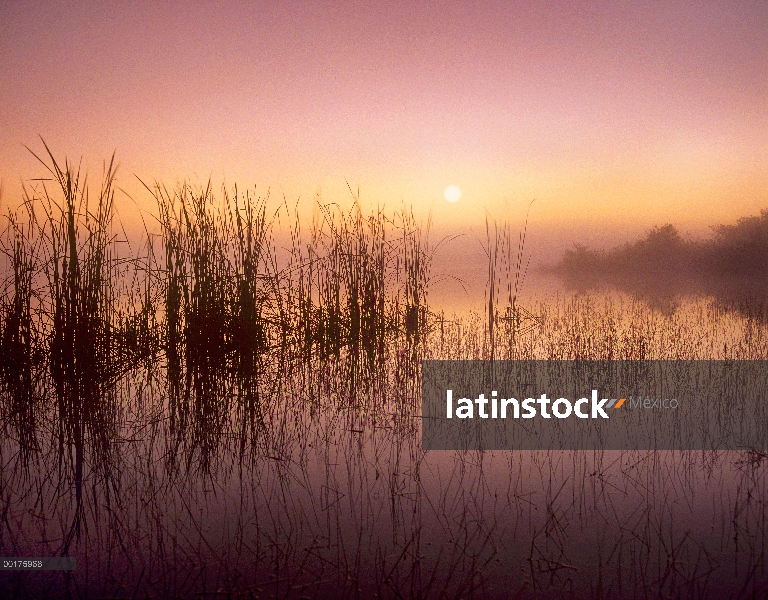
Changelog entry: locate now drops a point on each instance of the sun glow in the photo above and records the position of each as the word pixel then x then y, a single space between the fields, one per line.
pixel 452 193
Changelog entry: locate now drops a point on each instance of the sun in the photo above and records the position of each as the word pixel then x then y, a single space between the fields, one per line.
pixel 452 193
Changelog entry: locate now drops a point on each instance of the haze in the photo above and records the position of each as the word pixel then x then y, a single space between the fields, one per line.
pixel 614 117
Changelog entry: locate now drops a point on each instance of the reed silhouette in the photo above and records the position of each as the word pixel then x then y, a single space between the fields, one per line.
pixel 211 414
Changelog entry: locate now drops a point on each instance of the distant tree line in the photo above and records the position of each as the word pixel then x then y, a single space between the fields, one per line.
pixel 732 265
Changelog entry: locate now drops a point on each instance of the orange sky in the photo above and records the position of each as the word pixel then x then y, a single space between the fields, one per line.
pixel 612 115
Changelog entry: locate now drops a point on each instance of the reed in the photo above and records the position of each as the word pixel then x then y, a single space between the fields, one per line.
pixel 507 270
pixel 214 414
pixel 20 354
pixel 80 266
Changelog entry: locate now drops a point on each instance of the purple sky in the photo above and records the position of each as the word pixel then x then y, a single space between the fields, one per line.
pixel 609 114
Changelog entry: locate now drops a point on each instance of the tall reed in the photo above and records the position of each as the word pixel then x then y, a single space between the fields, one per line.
pixel 508 266
pixel 20 355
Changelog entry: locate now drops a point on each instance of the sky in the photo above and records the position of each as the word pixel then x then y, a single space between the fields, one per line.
pixel 613 116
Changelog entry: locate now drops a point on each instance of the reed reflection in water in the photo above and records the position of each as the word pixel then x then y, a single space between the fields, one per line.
pixel 199 418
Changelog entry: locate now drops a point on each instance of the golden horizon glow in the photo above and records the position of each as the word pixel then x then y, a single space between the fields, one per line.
pixel 612 117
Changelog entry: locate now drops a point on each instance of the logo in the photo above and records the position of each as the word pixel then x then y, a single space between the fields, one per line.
pixel 562 408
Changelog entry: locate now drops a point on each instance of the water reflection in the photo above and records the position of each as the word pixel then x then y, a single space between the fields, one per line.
pixel 663 268
pixel 332 495
pixel 206 422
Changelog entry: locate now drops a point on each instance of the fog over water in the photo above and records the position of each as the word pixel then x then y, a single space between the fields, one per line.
pixel 662 265
pixel 239 412
pixel 210 390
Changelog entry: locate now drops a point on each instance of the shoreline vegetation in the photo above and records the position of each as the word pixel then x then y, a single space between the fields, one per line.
pixel 203 414
pixel 663 267
pixel 82 305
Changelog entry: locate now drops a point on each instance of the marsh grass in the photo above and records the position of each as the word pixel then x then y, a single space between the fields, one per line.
pixel 211 306
pixel 508 264
pixel 88 344
pixel 19 354
pixel 215 415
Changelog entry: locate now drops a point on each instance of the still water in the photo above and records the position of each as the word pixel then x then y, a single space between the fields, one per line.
pixel 309 481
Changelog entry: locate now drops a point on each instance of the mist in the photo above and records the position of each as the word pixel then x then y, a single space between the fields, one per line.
pixel 663 267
